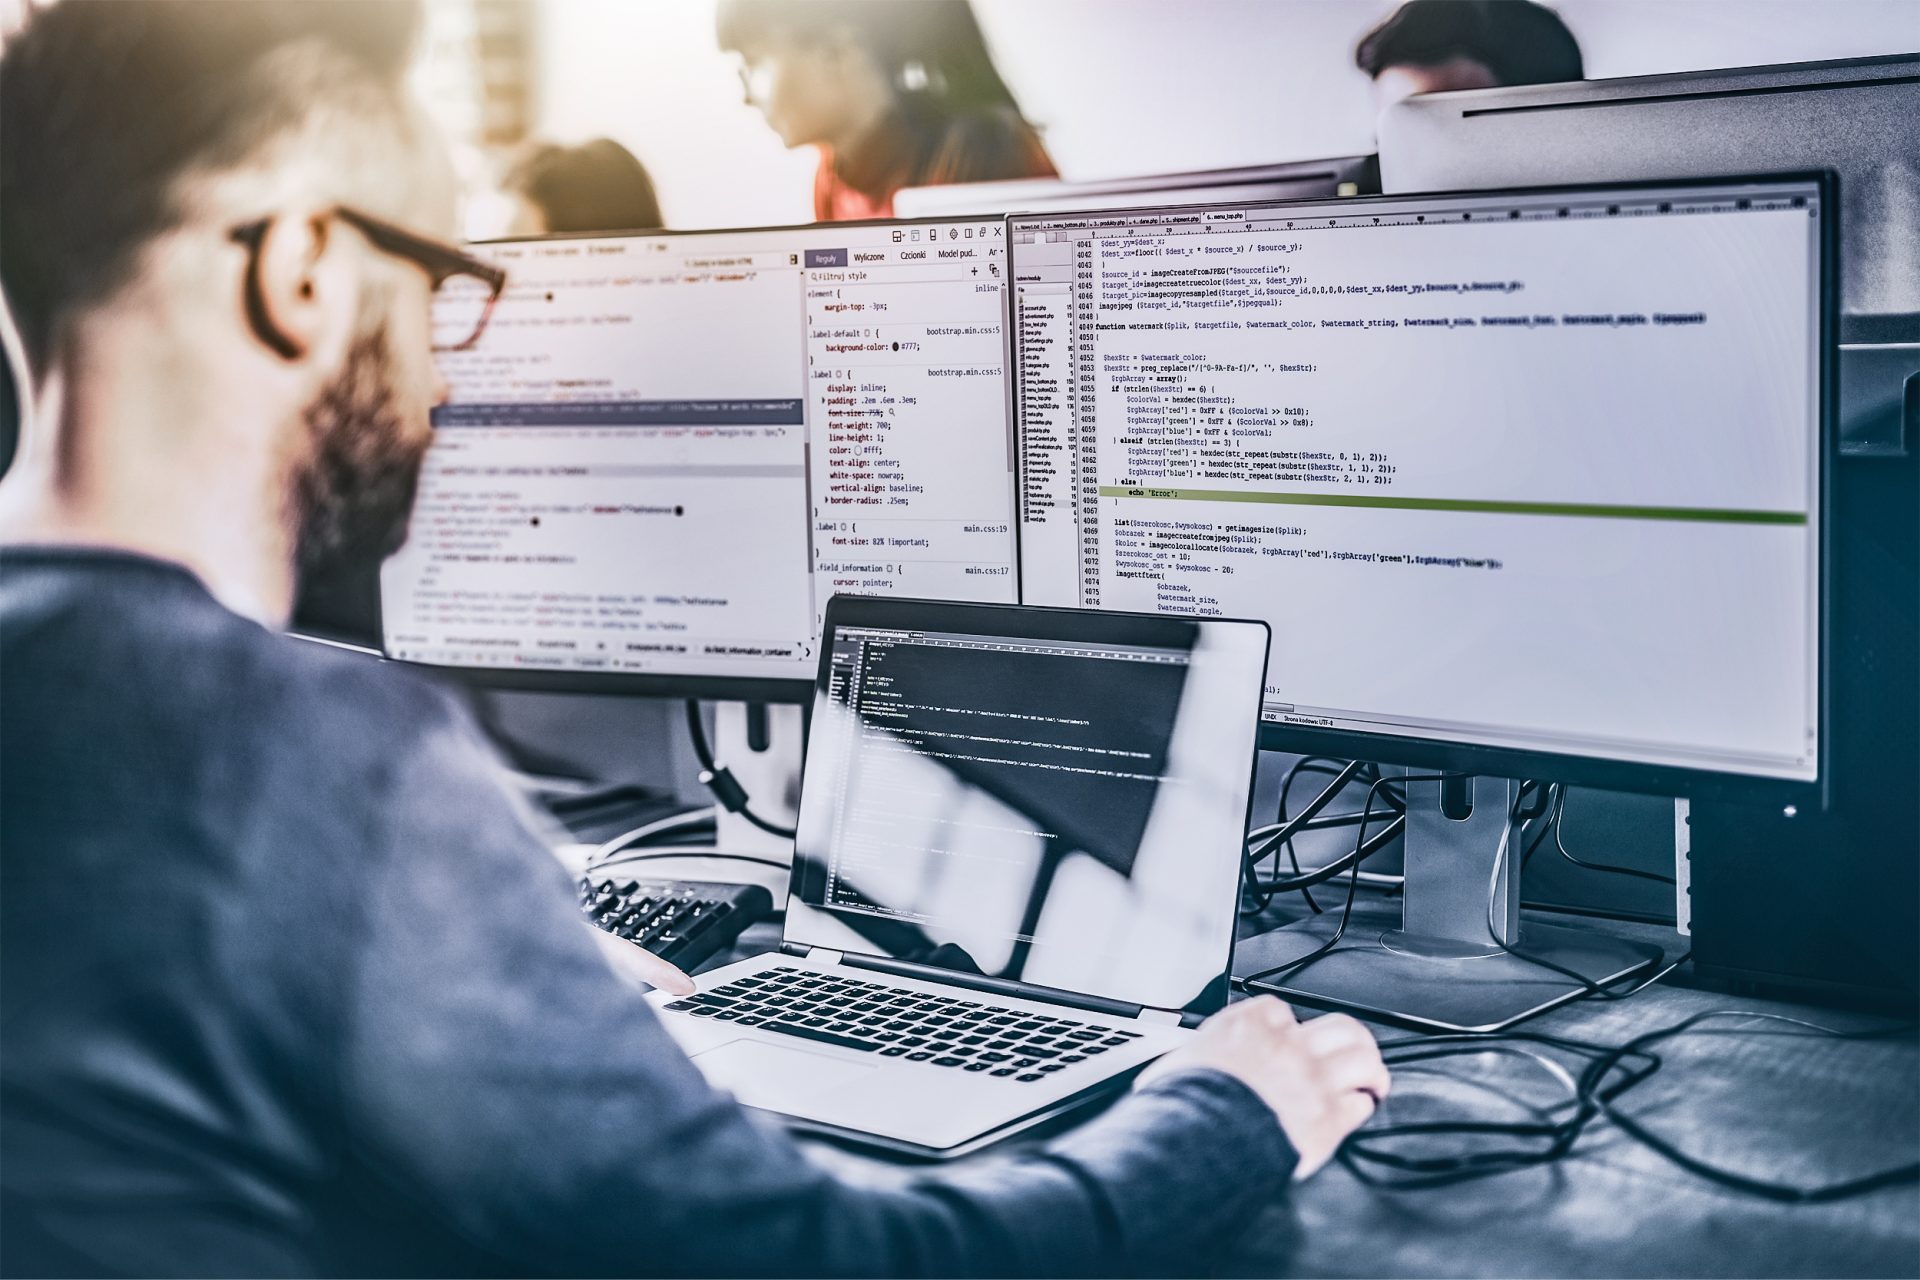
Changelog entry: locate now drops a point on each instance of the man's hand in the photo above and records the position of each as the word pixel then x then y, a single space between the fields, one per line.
pixel 1322 1078
pixel 637 964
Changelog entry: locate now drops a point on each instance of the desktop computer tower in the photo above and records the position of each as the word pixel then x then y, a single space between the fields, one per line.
pixel 1830 901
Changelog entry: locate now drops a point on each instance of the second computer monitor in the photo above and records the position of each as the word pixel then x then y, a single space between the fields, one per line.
pixel 1526 482
pixel 667 451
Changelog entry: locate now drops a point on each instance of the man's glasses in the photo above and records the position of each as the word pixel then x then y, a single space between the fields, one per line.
pixel 465 288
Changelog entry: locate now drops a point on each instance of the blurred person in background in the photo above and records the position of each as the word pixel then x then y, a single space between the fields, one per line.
pixel 596 186
pixel 288 984
pixel 1436 46
pixel 895 94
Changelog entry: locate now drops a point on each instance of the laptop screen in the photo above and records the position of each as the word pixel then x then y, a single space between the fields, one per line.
pixel 1053 799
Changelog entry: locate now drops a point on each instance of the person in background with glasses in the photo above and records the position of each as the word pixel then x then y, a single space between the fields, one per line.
pixel 288 984
pixel 896 94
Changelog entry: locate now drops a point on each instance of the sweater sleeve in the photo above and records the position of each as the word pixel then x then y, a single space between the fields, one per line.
pixel 501 1079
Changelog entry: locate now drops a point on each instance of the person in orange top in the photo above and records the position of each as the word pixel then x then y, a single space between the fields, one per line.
pixel 895 94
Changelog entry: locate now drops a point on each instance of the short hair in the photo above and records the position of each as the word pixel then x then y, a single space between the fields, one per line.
pixel 597 186
pixel 1518 41
pixel 108 106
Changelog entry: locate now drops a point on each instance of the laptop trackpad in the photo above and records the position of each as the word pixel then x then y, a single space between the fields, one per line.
pixel 773 1077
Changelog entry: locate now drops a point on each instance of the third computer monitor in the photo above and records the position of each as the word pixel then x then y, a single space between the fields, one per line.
pixel 1298 180
pixel 1528 482
pixel 667 451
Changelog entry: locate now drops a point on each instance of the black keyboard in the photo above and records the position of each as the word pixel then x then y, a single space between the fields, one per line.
pixel 970 1035
pixel 681 921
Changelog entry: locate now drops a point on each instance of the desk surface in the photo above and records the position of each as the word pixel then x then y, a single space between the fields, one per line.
pixel 1780 1107
pixel 1756 1097
pixel 1777 1106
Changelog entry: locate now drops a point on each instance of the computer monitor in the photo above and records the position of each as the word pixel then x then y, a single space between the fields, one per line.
pixel 1299 180
pixel 1855 117
pixel 1754 911
pixel 668 450
pixel 1529 485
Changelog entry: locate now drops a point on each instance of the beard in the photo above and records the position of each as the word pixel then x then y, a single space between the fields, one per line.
pixel 351 494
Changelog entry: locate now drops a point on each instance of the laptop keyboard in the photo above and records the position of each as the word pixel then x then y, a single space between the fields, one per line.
pixel 967 1035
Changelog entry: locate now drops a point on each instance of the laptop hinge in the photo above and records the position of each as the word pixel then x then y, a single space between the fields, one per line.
pixel 990 986
pixel 825 956
pixel 793 949
pixel 1162 1017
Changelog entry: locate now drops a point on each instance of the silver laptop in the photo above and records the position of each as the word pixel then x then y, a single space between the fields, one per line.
pixel 1016 875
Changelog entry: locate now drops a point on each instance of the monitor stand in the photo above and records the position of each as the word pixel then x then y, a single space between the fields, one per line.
pixel 1433 963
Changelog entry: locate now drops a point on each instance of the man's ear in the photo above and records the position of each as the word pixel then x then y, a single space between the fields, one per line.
pixel 300 295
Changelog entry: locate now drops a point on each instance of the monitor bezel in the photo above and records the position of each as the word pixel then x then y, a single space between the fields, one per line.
pixel 1362 171
pixel 797 689
pixel 1513 762
pixel 1689 100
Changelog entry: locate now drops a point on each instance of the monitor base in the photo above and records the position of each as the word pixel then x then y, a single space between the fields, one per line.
pixel 1380 972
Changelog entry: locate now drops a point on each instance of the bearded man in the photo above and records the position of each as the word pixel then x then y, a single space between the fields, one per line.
pixel 287 983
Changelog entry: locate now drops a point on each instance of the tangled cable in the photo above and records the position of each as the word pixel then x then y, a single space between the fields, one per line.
pixel 1594 1092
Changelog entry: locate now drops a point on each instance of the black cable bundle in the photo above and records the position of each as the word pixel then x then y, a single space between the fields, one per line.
pixel 1371 1153
pixel 1363 847
pixel 1260 890
pixel 720 780
pixel 1605 1072
pixel 1606 1075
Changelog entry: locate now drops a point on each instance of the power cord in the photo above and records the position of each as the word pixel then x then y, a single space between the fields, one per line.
pixel 1372 1155
pixel 1559 833
pixel 1605 1076
pixel 1363 847
pixel 1369 846
pixel 1555 826
pixel 613 852
pixel 692 818
pixel 1305 764
pixel 1260 892
pixel 1326 767
pixel 1520 812
pixel 1281 837
pixel 720 780
pixel 1782 1192
pixel 1517 813
pixel 1608 1071
pixel 698 854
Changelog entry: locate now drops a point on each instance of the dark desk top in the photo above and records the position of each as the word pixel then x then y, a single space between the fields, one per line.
pixel 1751 1096
pixel 1777 1106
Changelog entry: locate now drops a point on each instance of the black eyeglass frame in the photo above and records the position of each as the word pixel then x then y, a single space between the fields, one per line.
pixel 440 260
